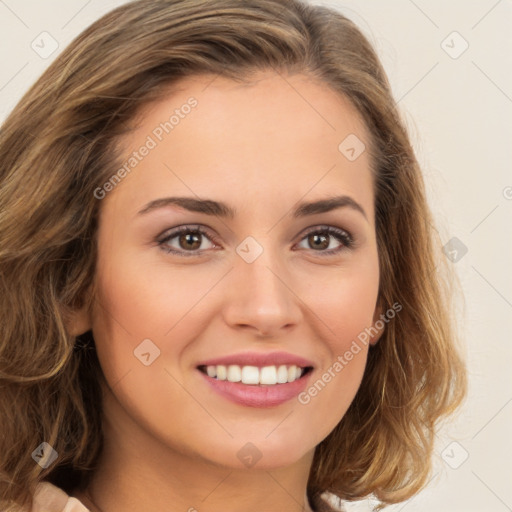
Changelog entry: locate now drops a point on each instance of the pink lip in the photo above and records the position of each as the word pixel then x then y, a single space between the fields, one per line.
pixel 257 395
pixel 258 359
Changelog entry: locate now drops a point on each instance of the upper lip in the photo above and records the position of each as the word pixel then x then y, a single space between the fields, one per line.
pixel 258 359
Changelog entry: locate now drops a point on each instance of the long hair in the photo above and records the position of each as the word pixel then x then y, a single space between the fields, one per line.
pixel 59 145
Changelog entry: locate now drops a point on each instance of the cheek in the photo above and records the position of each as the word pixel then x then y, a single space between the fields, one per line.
pixel 346 308
pixel 147 300
pixel 137 306
pixel 346 303
pixel 140 300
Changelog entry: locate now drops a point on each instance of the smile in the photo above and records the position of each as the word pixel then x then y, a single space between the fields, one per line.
pixel 254 375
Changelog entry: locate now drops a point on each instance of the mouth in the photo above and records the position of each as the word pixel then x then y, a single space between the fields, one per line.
pixel 250 375
pixel 255 379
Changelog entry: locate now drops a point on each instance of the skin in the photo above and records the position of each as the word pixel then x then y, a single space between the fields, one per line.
pixel 171 443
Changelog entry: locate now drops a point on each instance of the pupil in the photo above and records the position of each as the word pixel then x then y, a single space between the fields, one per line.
pixel 191 239
pixel 323 241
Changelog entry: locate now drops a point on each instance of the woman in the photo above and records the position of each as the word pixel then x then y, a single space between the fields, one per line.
pixel 219 286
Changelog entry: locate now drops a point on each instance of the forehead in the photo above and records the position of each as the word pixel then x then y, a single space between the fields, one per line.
pixel 272 138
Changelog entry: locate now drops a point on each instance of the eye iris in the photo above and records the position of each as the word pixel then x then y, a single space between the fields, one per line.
pixel 319 241
pixel 190 238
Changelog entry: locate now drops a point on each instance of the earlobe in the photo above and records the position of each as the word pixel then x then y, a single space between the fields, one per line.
pixel 78 321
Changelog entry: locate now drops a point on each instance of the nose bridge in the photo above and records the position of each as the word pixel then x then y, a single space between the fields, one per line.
pixel 264 276
pixel 261 295
pixel 260 270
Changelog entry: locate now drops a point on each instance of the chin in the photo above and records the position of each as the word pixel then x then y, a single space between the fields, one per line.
pixel 257 453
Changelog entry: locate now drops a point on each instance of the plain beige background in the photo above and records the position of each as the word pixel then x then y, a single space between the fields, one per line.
pixel 449 64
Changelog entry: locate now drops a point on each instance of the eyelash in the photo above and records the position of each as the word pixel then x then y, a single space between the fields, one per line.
pixel 339 234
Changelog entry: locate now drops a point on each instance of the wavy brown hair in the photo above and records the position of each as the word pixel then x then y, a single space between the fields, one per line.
pixel 61 142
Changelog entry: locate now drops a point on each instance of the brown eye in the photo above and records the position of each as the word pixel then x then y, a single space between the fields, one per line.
pixel 318 241
pixel 323 240
pixel 186 241
pixel 190 240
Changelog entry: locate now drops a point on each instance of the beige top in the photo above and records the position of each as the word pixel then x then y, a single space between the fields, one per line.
pixel 49 498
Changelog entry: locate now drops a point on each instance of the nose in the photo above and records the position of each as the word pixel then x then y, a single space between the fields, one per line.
pixel 261 297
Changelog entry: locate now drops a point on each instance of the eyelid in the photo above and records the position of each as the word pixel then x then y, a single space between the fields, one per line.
pixel 177 230
pixel 329 229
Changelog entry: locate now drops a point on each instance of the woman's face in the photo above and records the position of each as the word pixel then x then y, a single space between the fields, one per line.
pixel 271 281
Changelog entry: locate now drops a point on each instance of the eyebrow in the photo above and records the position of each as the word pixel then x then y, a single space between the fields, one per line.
pixel 220 209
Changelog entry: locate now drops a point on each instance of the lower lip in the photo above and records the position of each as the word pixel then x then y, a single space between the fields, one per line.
pixel 257 395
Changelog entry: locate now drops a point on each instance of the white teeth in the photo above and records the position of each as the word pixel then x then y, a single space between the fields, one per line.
pixel 291 372
pixel 282 374
pixel 234 373
pixel 250 375
pixel 221 372
pixel 267 375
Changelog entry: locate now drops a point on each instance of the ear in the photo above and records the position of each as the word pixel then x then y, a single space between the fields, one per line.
pixel 78 321
pixel 377 324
